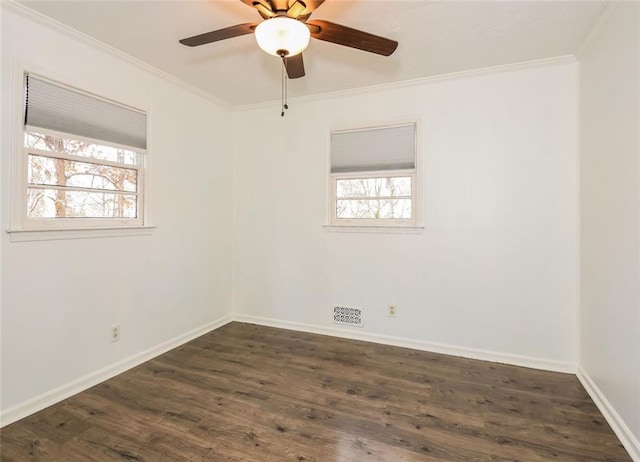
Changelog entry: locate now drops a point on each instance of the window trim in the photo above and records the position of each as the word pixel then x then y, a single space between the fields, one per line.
pixel 380 222
pixel 19 229
pixel 78 222
pixel 381 225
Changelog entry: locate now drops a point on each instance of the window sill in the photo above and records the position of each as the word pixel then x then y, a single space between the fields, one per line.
pixel 374 229
pixel 23 235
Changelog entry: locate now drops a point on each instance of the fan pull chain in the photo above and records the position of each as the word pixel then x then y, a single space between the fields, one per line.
pixel 285 78
pixel 286 86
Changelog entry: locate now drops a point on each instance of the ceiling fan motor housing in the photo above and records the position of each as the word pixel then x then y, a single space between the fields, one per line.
pixel 286 29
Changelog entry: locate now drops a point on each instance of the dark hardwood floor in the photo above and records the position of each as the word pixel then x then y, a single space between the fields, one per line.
pixel 250 393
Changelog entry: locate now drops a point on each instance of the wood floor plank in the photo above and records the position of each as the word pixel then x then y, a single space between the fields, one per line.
pixel 252 393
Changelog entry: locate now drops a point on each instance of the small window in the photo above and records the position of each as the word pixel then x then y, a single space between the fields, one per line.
pixel 373 176
pixel 82 158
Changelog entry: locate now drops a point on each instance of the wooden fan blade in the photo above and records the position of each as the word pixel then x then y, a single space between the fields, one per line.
pixel 295 66
pixel 353 38
pixel 220 34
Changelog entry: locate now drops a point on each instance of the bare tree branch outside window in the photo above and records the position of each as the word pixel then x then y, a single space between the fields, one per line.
pixel 374 198
pixel 89 181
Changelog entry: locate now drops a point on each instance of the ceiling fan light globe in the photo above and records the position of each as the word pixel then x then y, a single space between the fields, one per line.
pixel 282 35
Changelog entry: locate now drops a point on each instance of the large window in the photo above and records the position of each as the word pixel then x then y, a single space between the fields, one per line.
pixel 373 176
pixel 82 159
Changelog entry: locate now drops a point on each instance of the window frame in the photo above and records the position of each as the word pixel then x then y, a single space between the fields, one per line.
pixel 80 222
pixel 335 177
pixel 371 224
pixel 23 229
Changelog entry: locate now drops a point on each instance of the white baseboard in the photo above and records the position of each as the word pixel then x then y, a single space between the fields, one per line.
pixel 65 391
pixel 472 353
pixel 47 399
pixel 622 431
pixel 620 428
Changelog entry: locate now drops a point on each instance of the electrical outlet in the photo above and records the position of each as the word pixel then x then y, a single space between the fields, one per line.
pixel 393 311
pixel 115 333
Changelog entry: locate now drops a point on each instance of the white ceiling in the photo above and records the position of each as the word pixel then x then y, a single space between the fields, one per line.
pixel 435 38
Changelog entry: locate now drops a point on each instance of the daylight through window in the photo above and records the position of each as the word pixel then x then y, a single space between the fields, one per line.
pixel 373 176
pixel 83 159
pixel 68 178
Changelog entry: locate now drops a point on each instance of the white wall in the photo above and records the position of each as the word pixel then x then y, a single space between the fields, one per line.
pixel 610 212
pixel 494 270
pixel 496 267
pixel 60 297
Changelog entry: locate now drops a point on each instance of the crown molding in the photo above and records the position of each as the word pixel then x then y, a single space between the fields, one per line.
pixel 26 12
pixel 500 69
pixel 12 5
pixel 597 25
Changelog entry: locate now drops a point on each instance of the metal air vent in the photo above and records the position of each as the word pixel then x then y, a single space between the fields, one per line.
pixel 347 316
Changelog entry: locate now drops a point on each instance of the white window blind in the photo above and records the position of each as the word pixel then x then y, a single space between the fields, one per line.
pixel 59 108
pixel 374 149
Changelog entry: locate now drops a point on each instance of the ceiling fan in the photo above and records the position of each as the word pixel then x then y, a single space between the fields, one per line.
pixel 285 32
